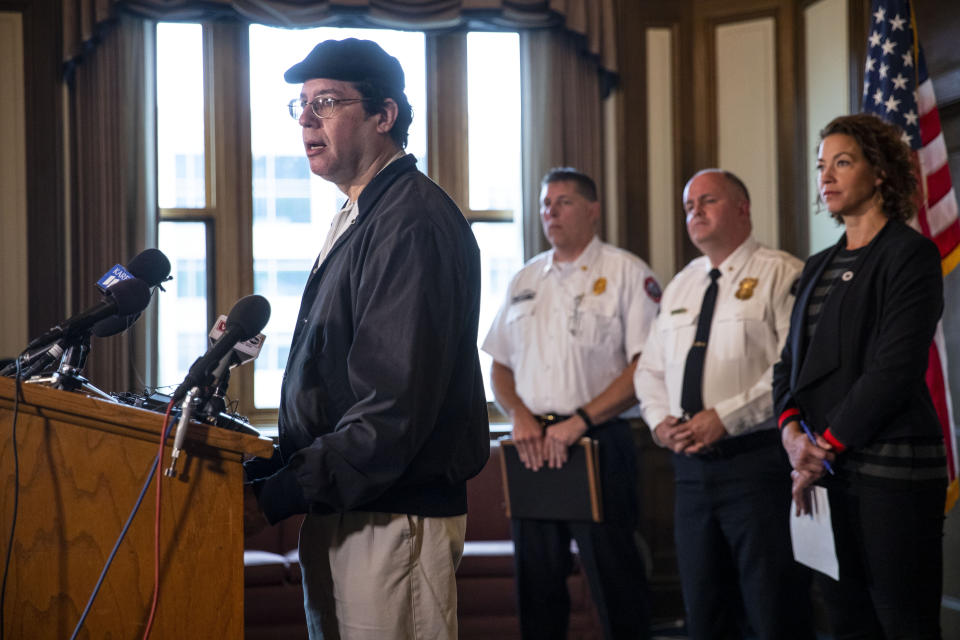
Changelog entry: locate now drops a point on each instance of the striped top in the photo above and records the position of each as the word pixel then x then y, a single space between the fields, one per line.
pixel 897 463
pixel 841 262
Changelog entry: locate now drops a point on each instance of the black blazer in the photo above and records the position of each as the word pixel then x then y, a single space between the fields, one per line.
pixel 862 374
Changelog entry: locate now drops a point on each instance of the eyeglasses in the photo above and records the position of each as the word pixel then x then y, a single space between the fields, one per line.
pixel 321 107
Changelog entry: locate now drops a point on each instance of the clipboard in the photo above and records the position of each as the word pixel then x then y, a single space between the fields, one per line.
pixel 571 492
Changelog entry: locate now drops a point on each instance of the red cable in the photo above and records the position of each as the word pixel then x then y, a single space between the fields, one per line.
pixel 156 528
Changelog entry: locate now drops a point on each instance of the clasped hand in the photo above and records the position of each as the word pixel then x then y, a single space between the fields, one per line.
pixel 693 435
pixel 807 459
pixel 536 445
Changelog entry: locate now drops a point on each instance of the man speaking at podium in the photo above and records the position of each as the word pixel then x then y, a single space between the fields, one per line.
pixel 382 411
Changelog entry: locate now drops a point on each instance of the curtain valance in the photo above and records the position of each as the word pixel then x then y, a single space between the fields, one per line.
pixel 591 20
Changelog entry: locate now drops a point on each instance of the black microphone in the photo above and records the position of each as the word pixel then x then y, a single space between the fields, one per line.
pixel 151 266
pixel 246 319
pixel 123 298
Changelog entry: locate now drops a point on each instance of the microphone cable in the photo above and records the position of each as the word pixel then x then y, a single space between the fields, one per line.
pixel 136 507
pixel 16 492
pixel 156 529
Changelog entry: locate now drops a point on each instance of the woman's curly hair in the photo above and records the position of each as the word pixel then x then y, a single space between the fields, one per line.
pixel 888 155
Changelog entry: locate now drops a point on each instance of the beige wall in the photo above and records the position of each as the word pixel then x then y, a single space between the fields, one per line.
pixel 746 113
pixel 827 84
pixel 13 189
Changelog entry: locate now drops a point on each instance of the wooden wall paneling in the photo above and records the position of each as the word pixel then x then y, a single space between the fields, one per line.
pixel 707 16
pixel 655 482
pixel 43 100
pixel 746 115
pixel 634 19
pixel 858 22
pixel 661 151
pixel 938 25
pixel 825 83
pixel 13 187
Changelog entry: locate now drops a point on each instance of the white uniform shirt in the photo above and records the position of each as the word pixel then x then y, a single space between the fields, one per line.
pixel 567 330
pixel 750 325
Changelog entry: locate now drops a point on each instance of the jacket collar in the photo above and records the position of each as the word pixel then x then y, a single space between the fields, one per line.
pixel 827 336
pixel 381 182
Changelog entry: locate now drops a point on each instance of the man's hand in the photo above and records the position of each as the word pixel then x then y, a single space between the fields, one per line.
pixel 560 437
pixel 802 481
pixel 673 434
pixel 805 456
pixel 253 519
pixel 705 428
pixel 528 436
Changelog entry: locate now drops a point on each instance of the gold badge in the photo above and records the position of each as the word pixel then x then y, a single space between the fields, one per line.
pixel 747 285
pixel 599 286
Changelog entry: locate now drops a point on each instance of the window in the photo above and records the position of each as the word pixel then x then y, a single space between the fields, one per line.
pixel 182 307
pixel 241 211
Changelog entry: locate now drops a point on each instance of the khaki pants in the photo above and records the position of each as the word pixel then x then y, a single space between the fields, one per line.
pixel 381 575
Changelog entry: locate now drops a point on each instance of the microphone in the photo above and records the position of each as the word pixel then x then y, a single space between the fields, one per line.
pixel 242 353
pixel 151 266
pixel 246 319
pixel 125 297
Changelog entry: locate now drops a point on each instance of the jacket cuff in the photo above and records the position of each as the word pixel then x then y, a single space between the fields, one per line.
pixel 787 415
pixel 832 439
pixel 280 496
pixel 259 468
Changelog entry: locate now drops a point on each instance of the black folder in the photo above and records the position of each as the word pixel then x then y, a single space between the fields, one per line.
pixel 571 492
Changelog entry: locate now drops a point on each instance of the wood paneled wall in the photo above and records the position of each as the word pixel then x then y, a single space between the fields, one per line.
pixel 46 241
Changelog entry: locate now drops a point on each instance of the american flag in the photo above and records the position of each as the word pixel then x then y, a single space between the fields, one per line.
pixel 896 88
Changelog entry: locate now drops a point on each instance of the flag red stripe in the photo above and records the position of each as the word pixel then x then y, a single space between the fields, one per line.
pixel 929 126
pixel 922 219
pixel 948 239
pixel 938 184
pixel 935 383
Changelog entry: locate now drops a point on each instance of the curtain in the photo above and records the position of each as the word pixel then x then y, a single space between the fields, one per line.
pixel 114 208
pixel 592 21
pixel 561 120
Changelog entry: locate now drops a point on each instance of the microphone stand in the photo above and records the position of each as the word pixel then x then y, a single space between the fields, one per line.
pixel 67 376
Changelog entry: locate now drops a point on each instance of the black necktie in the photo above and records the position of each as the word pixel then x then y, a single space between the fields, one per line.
pixel 691 396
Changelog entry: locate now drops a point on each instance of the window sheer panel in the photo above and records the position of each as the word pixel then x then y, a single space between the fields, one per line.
pixel 293 209
pixel 493 104
pixel 182 307
pixel 495 170
pixel 181 153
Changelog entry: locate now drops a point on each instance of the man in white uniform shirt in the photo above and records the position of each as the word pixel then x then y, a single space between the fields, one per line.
pixel 704 383
pixel 564 345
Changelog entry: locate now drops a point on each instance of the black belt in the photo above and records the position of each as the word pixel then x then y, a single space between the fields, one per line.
pixel 548 419
pixel 729 447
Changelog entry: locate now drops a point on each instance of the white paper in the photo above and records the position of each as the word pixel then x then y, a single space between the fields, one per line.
pixel 812 535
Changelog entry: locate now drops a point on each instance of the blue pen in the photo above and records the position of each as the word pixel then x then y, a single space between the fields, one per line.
pixel 806 430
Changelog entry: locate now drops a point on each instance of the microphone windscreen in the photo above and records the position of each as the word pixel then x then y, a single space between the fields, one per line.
pixel 113 325
pixel 250 314
pixel 131 296
pixel 151 266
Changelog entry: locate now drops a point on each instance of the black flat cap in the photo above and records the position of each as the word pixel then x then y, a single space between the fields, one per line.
pixel 350 60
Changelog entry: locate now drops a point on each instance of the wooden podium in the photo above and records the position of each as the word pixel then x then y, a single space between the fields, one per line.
pixel 82 462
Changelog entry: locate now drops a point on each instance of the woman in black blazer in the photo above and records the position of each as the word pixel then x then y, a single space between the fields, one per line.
pixel 852 371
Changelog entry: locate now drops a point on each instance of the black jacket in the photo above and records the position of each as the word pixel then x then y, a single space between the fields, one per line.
pixel 382 406
pixel 862 375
